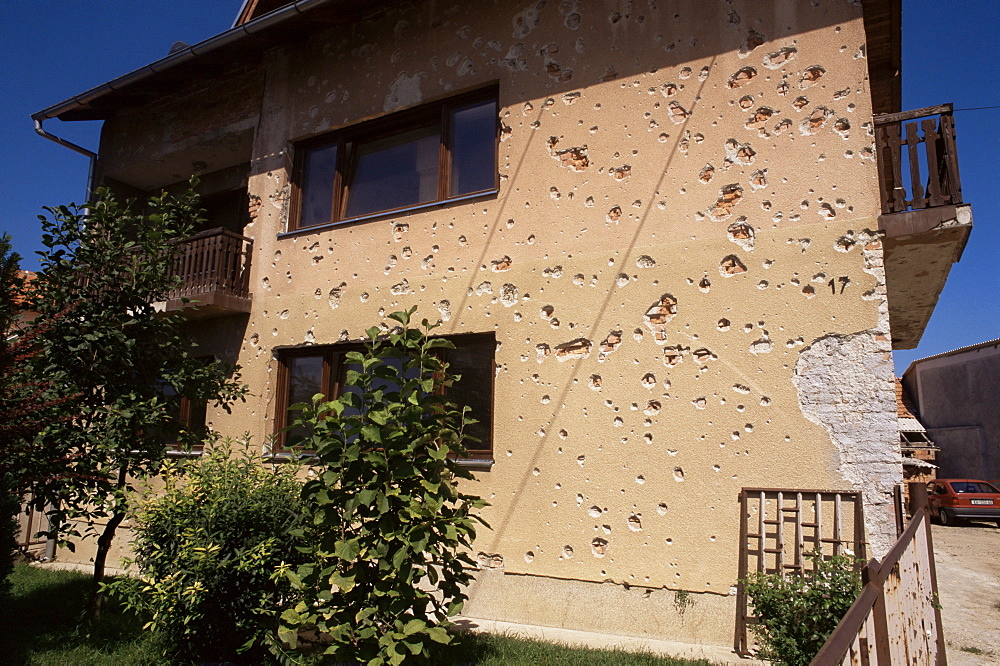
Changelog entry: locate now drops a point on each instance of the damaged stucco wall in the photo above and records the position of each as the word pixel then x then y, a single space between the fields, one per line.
pixel 678 268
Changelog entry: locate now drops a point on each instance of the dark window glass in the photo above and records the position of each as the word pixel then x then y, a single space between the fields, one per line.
pixel 305 379
pixel 432 153
pixel 473 148
pixel 319 174
pixel 473 361
pixel 398 171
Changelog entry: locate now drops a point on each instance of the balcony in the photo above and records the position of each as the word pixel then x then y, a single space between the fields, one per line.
pixel 925 221
pixel 215 266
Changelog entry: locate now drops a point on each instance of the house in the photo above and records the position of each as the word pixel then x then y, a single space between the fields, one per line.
pixel 955 394
pixel 919 452
pixel 674 242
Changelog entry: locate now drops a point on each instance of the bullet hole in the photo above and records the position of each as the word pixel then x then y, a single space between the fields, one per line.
pixel 609 344
pixel 444 308
pixel 661 508
pixel 484 288
pixel 400 288
pixel 730 196
pixel 490 560
pixel 568 552
pixel 783 126
pixel 645 261
pixel 546 312
pixel 363 297
pixel 742 77
pixel 333 299
pixel 653 408
pixel 574 349
pixel 800 103
pixel 668 89
pixel 283 314
pixel 723 325
pixel 811 76
pixel 750 42
pixel 762 345
pixel 618 422
pixel 731 265
pixel 580 460
pixel 707 174
pixel 765 401
pixel 845 243
pixel 826 211
pixel 614 214
pixel 554 272
pixel 745 155
pixel 599 547
pixel 816 121
pixel 763 284
pixel 704 286
pixel 740 388
pixel 635 522
pixel 529 557
pixel 842 126
pixel 594 382
pixel 758 179
pixel 574 159
pixel 678 474
pixel 657 316
pixel 703 355
pixel 399 230
pixel 621 173
pixel 758 121
pixel 673 356
pixel 542 351
pixel 678 114
pixel 579 279
pixel 266 284
pixel 780 57
pixel 621 279
pixel 508 295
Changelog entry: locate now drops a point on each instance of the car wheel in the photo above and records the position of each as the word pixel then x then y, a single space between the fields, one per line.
pixel 947 519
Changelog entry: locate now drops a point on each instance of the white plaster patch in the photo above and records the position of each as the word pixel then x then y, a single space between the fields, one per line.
pixel 404 91
pixel 845 384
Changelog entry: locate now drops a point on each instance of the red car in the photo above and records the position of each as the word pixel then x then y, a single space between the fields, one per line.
pixel 953 500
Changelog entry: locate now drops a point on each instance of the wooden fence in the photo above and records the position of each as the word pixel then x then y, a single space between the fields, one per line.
pixel 898 143
pixel 780 526
pixel 897 617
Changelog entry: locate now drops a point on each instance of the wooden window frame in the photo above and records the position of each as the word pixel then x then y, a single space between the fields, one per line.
pixel 333 380
pixel 348 139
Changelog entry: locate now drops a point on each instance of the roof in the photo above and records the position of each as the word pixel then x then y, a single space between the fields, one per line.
pixel 911 425
pixel 210 58
pixel 960 350
pixel 20 299
pixel 262 24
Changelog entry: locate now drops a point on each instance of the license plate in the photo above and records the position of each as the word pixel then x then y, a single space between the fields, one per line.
pixel 987 502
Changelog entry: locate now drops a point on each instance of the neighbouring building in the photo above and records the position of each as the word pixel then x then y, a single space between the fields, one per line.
pixel 955 394
pixel 674 241
pixel 919 452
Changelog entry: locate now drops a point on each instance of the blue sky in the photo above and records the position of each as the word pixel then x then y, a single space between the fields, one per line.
pixel 53 49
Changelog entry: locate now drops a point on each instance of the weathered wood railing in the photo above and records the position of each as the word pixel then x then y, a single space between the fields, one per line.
pixel 898 140
pixel 217 260
pixel 897 617
pixel 779 527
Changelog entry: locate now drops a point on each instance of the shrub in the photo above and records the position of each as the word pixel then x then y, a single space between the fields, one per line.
pixel 797 613
pixel 387 564
pixel 207 547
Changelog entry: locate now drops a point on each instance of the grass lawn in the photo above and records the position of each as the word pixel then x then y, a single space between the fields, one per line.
pixel 40 624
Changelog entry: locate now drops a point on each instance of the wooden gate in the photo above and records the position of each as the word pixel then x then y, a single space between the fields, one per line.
pixel 896 618
pixel 779 527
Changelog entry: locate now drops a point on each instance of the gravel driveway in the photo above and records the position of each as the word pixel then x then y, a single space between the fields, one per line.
pixel 968 573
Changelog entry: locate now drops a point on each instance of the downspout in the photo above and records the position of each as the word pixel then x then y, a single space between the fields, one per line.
pixel 92 156
pixel 51 542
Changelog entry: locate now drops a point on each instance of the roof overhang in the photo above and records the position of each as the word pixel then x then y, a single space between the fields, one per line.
pixel 884 52
pixel 210 58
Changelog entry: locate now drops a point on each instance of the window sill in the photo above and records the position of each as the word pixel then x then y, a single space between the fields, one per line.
pixel 481 464
pixel 389 213
pixel 177 453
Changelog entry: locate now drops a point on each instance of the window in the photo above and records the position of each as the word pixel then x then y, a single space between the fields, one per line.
pixel 188 426
pixel 435 153
pixel 304 372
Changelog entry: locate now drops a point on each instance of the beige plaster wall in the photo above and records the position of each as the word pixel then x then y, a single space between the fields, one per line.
pixel 679 183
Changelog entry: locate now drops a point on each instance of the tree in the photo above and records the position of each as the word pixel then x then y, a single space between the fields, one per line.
pixel 10 501
pixel 387 559
pixel 100 339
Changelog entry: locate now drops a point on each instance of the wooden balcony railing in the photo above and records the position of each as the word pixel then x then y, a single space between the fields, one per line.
pixel 216 261
pixel 922 143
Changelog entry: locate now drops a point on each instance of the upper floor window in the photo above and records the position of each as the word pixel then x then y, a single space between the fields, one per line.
pixel 434 153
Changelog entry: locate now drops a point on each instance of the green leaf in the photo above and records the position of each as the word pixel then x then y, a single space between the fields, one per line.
pixel 439 635
pixel 413 626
